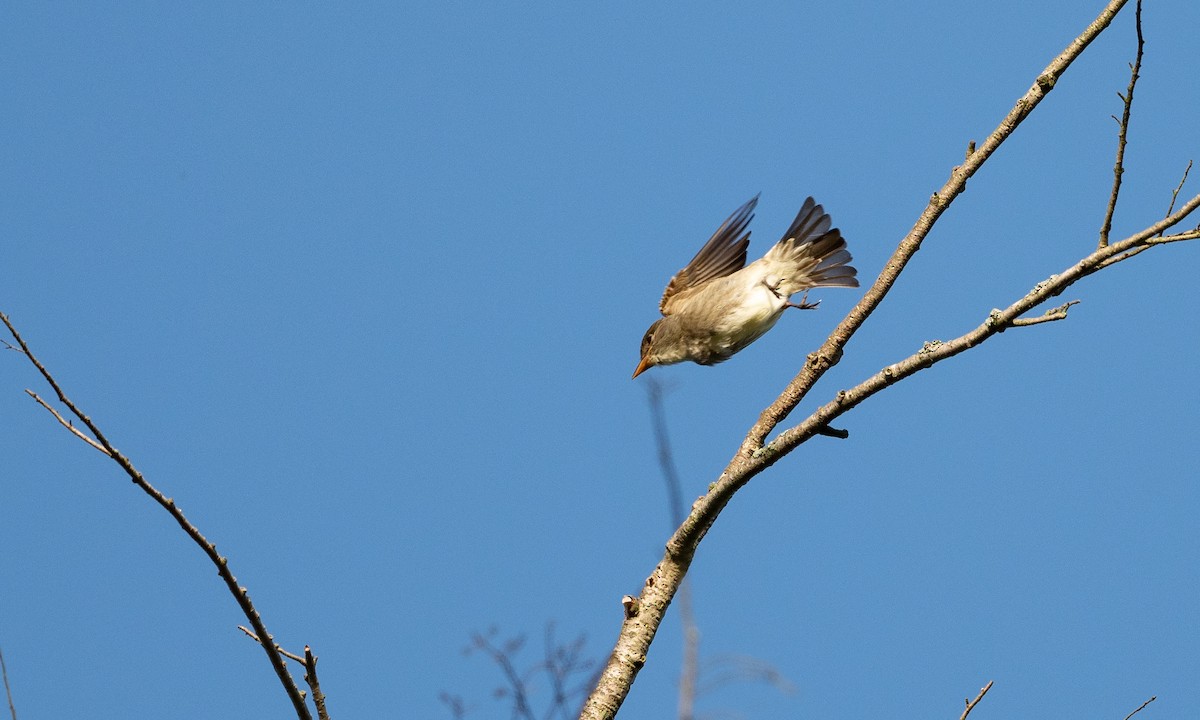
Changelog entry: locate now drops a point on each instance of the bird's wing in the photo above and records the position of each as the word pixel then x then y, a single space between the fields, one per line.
pixel 723 254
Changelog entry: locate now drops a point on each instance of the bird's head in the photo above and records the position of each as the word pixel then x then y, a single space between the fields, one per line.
pixel 661 345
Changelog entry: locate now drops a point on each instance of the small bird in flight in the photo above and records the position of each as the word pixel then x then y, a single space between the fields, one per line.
pixel 718 305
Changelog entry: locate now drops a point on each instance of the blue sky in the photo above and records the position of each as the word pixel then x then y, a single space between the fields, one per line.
pixel 362 290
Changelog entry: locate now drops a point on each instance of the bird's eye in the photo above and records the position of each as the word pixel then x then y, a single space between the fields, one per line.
pixel 646 339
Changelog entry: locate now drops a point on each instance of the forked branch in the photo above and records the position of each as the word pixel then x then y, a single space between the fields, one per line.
pixel 102 444
pixel 643 620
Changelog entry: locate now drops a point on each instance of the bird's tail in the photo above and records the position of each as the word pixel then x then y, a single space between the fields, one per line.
pixel 811 254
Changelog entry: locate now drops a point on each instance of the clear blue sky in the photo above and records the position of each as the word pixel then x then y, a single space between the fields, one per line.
pixel 362 290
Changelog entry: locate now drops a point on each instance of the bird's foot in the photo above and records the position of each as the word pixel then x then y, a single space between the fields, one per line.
pixel 804 303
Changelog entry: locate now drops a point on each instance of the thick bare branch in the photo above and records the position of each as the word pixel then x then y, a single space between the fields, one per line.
pixel 240 594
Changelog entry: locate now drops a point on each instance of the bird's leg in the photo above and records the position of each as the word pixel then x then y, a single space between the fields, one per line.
pixel 804 303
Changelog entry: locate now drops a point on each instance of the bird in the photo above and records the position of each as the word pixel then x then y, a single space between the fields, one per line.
pixel 717 305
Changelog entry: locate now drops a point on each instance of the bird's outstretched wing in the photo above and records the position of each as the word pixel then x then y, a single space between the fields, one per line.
pixel 723 254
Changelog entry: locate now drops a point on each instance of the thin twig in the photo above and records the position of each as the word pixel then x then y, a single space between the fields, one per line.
pixel 240 594
pixel 1182 180
pixel 516 681
pixel 67 423
pixel 689 667
pixel 1058 313
pixel 12 710
pixel 1119 167
pixel 1151 242
pixel 972 703
pixel 278 647
pixel 1143 705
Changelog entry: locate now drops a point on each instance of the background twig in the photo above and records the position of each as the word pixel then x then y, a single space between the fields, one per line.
pixel 12 710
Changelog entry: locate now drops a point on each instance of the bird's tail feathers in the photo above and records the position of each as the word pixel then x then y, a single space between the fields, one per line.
pixel 813 262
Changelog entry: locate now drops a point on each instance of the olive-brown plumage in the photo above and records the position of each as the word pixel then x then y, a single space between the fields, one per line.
pixel 717 304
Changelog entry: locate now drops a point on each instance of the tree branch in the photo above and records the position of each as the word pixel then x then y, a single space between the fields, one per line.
pixel 972 703
pixel 638 629
pixel 240 594
pixel 997 322
pixel 1119 167
pixel 1141 707
pixel 12 710
pixel 830 351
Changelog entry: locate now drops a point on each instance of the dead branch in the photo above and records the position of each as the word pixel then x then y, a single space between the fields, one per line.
pixel 972 703
pixel 240 594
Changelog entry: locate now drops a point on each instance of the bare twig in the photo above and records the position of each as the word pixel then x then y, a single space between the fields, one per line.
pixel 309 661
pixel 689 667
pixel 240 594
pixel 455 704
pixel 12 710
pixel 1123 130
pixel 972 703
pixel 1182 180
pixel 67 423
pixel 563 665
pixel 278 647
pixel 723 670
pixel 503 657
pixel 310 677
pixel 1143 705
pixel 1058 313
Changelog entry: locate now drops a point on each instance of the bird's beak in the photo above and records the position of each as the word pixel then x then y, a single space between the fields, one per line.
pixel 643 366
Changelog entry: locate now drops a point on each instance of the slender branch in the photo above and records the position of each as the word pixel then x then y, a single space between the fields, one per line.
pixel 516 681
pixel 1123 130
pixel 689 667
pixel 1179 187
pixel 972 703
pixel 309 661
pixel 67 423
pixel 278 647
pixel 1143 705
pixel 1058 313
pixel 240 594
pixel 310 677
pixel 12 710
